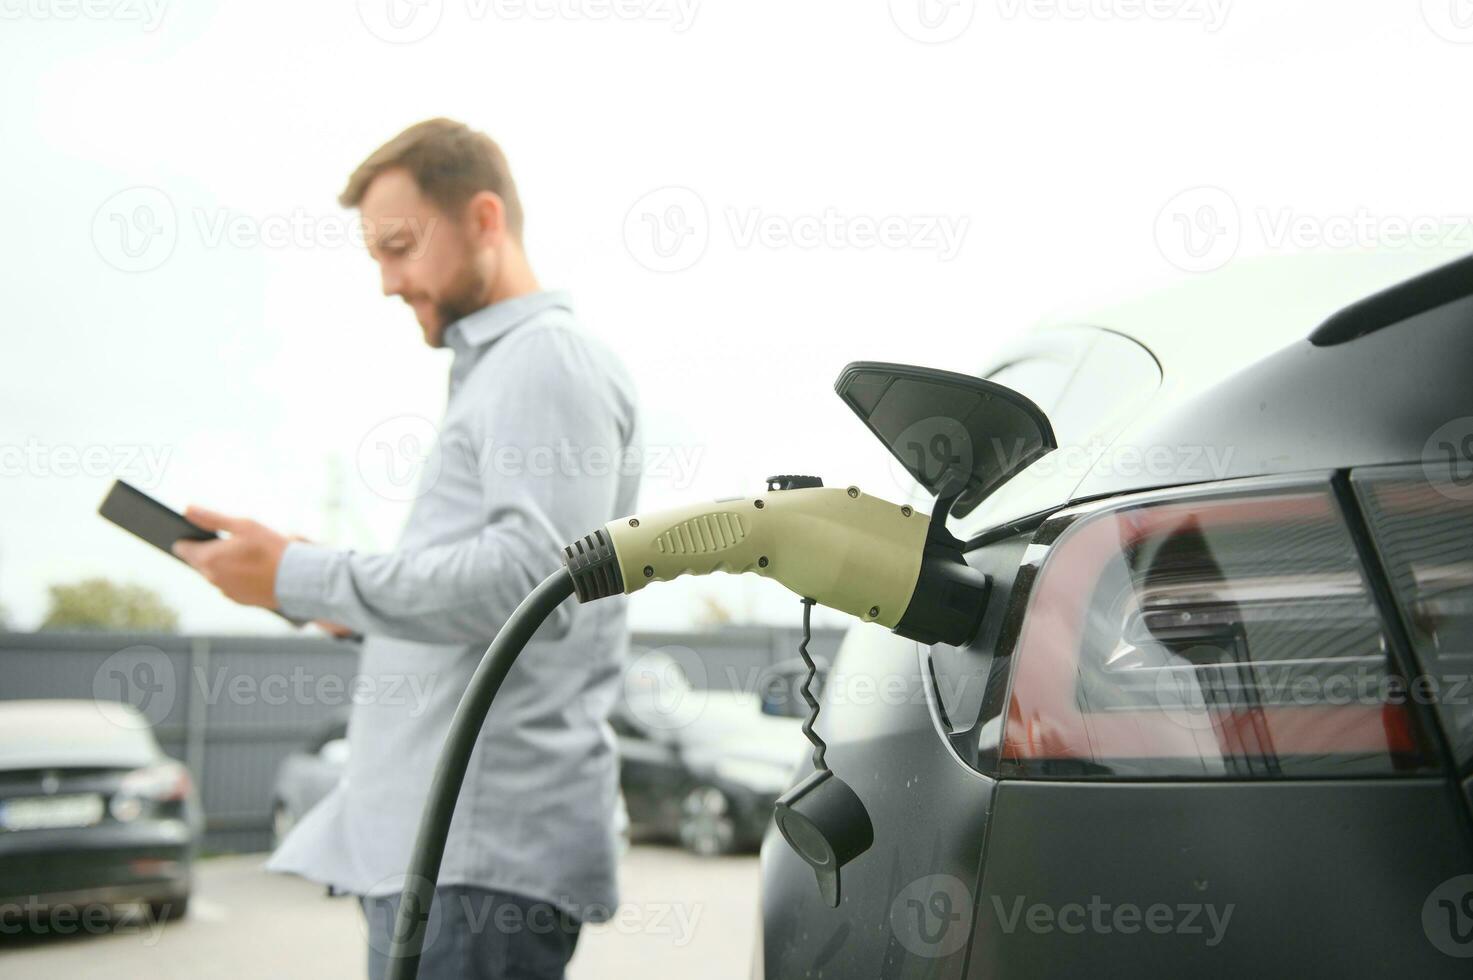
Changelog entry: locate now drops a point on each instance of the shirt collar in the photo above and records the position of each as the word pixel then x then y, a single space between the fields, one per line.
pixel 489 323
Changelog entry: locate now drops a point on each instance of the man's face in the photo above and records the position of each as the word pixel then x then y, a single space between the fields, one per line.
pixel 432 260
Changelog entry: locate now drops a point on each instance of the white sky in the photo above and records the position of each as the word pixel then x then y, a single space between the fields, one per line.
pixel 1047 136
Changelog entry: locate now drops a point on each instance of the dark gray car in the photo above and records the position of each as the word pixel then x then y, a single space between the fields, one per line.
pixel 92 812
pixel 1217 720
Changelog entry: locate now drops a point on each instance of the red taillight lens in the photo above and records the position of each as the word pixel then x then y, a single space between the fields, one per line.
pixel 1422 520
pixel 1219 635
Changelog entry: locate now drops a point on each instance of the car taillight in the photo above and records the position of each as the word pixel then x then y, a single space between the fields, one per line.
pixel 1422 520
pixel 163 783
pixel 1210 633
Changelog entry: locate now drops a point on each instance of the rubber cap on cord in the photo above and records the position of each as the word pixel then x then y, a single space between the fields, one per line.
pixel 594 567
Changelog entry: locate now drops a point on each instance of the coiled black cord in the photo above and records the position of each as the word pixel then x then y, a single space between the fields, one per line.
pixel 806 690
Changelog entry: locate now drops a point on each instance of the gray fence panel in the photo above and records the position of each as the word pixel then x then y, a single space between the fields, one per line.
pixel 233 707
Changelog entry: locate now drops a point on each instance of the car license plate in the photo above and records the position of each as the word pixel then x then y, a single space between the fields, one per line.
pixel 44 812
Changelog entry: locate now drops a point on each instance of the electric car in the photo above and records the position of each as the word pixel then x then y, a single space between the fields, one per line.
pixel 92 812
pixel 702 767
pixel 1217 719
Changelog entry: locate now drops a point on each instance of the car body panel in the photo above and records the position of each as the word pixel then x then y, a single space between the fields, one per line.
pixel 1308 864
pixel 1316 878
pixel 85 750
pixel 879 707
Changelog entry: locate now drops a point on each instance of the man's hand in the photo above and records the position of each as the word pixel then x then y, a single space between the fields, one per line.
pixel 243 563
pixel 337 630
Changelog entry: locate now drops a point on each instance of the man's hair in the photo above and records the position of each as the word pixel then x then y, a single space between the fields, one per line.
pixel 449 161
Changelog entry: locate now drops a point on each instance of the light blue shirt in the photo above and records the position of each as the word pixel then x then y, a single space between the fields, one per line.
pixel 538 447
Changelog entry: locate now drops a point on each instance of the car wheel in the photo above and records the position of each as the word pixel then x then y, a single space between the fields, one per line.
pixel 707 826
pixel 169 909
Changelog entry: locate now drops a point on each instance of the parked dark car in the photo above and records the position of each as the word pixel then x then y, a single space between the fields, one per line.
pixel 92 812
pixel 1217 720
pixel 702 767
pixel 696 766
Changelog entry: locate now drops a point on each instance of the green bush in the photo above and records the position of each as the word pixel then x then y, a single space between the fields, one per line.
pixel 101 604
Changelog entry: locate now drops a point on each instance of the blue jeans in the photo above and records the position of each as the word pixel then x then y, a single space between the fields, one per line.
pixel 478 934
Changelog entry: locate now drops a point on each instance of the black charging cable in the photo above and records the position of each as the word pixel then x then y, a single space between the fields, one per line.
pixel 434 826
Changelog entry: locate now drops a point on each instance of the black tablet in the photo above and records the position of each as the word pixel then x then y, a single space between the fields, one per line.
pixel 135 511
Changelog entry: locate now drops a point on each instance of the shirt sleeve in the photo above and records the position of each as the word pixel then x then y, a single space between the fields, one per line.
pixel 548 434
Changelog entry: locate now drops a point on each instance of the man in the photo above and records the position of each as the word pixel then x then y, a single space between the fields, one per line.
pixel 532 454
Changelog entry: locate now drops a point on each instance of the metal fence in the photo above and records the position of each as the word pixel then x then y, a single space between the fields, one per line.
pixel 226 705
